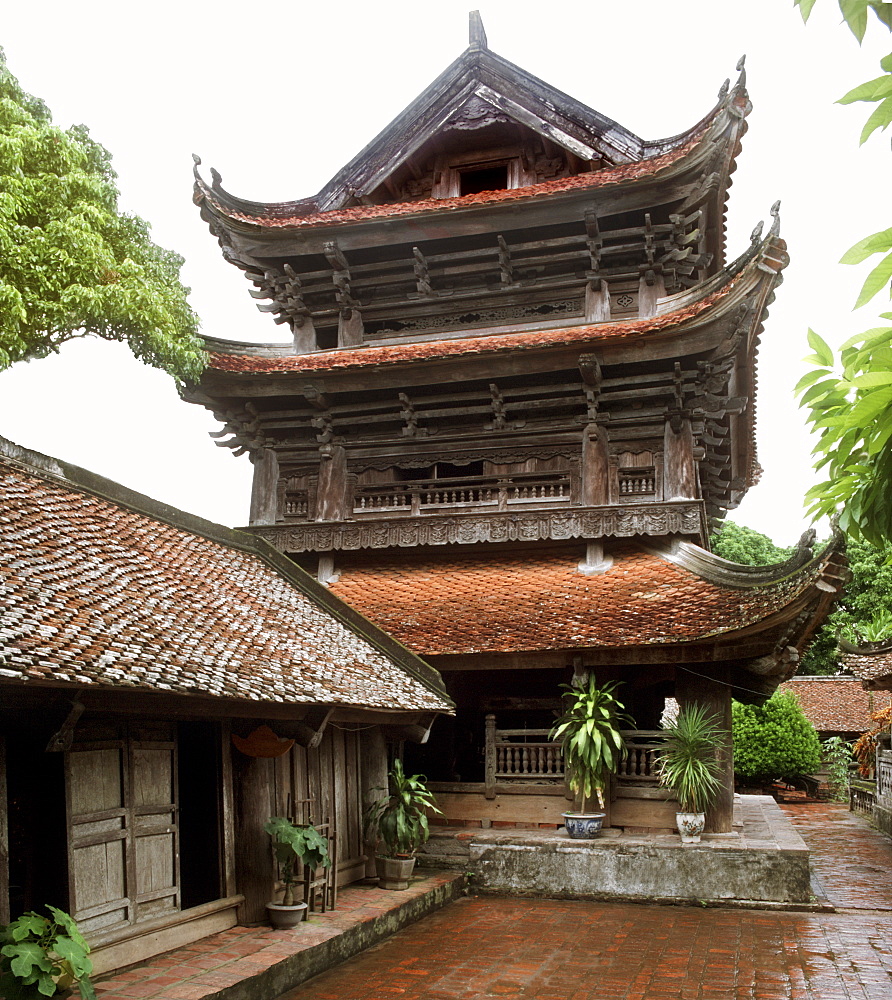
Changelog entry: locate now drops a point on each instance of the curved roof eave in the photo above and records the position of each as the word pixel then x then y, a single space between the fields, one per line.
pixel 628 149
pixel 762 263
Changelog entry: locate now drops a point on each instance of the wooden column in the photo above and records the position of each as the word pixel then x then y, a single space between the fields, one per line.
pixel 264 489
pixel 597 303
pixel 489 758
pixel 331 495
pixel 595 466
pixel 714 694
pixel 254 797
pixel 648 295
pixel 372 779
pixel 679 472
pixel 5 916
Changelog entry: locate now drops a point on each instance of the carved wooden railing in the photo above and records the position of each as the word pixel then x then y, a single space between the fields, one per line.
pixel 527 755
pixel 884 774
pixel 861 797
pixel 639 766
pixel 499 492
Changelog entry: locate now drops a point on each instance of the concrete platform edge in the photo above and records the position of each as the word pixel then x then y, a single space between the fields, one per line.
pixel 296 969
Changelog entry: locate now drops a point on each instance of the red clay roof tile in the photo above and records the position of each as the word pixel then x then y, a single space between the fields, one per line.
pixel 94 592
pixel 534 601
pixel 837 704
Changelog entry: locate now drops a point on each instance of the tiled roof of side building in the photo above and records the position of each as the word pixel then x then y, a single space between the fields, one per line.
pixel 101 586
pixel 836 704
pixel 871 664
pixel 538 600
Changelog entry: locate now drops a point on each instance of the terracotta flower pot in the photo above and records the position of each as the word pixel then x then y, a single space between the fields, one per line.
pixel 282 917
pixel 394 873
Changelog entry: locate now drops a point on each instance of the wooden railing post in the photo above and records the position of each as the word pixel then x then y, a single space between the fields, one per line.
pixel 489 776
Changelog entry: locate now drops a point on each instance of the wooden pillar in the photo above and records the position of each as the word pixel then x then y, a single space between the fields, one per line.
pixel 372 780
pixel 679 472
pixel 254 797
pixel 5 916
pixel 304 332
pixel 714 694
pixel 597 303
pixel 489 758
pixel 227 839
pixel 595 466
pixel 648 295
pixel 265 487
pixel 331 494
pixel 350 328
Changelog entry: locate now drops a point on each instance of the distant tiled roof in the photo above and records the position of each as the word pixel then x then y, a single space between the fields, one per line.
pixel 97 591
pixel 504 603
pixel 872 666
pixel 836 704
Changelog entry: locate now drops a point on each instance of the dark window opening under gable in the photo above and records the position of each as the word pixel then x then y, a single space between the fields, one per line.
pixel 475 180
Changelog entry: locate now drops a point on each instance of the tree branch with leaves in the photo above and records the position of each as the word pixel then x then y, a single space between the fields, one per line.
pixel 71 264
pixel 849 399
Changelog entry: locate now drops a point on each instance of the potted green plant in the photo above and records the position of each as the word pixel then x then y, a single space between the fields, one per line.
pixel 689 765
pixel 42 957
pixel 399 820
pixel 592 746
pixel 294 842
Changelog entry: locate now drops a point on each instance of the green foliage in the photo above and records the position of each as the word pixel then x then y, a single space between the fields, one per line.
pixel 589 731
pixel 774 741
pixel 851 412
pixel 71 264
pixel 862 614
pixel 850 408
pixel 40 956
pixel 743 545
pixel 296 842
pixel 688 761
pixel 400 820
pixel 837 759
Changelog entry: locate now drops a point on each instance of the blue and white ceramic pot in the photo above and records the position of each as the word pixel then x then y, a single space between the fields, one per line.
pixel 583 826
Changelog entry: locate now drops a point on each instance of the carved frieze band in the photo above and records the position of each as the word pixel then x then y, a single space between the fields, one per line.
pixel 684 518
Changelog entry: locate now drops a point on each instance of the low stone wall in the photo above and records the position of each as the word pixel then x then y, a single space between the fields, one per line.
pixel 766 863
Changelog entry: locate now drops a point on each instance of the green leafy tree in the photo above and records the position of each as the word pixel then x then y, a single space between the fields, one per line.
pixel 71 264
pixel 850 402
pixel 863 612
pixel 745 546
pixel 774 741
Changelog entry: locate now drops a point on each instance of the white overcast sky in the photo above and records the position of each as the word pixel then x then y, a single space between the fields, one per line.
pixel 278 96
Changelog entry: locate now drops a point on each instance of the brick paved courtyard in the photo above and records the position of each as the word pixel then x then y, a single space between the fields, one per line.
pixel 539 949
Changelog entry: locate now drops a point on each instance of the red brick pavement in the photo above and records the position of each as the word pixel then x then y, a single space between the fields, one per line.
pixel 851 862
pixel 540 949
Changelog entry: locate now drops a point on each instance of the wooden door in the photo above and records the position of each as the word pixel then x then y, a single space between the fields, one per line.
pixel 122 830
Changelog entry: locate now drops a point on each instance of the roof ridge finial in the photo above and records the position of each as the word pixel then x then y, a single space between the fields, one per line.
pixel 775 215
pixel 476 32
pixel 741 69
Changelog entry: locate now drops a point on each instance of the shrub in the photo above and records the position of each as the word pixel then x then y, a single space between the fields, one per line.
pixel 774 741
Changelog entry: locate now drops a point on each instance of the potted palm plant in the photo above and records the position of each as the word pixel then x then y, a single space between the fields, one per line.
pixel 399 821
pixel 292 843
pixel 689 765
pixel 592 746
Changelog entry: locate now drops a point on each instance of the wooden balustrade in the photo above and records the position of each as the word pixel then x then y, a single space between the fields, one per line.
pixel 499 492
pixel 861 797
pixel 639 766
pixel 527 755
pixel 884 774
